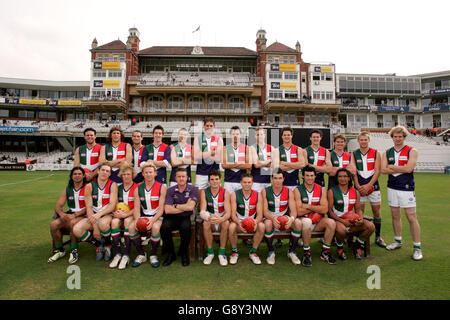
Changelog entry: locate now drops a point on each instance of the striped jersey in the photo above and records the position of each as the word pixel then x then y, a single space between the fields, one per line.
pixel 365 166
pixel 278 204
pixel 343 203
pixel 338 161
pixel 75 199
pixel 127 196
pixel 290 155
pixel 246 207
pixel 101 196
pixel 400 181
pixel 262 175
pixel 207 144
pixel 317 158
pixel 149 199
pixel 89 158
pixel 235 155
pixel 215 204
pixel 182 152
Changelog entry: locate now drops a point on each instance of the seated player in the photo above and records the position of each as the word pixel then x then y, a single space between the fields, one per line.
pixel 215 210
pixel 343 200
pixel 123 218
pixel 312 205
pixel 101 198
pixel 246 203
pixel 149 200
pixel 278 201
pixel 73 194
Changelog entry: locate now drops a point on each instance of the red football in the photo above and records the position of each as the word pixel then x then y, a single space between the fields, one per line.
pixel 248 224
pixel 371 190
pixel 353 217
pixel 283 220
pixel 315 217
pixel 142 224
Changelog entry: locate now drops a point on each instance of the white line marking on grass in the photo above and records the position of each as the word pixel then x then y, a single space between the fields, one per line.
pixel 8 184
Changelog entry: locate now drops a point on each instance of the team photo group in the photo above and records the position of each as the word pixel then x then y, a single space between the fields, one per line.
pixel 118 197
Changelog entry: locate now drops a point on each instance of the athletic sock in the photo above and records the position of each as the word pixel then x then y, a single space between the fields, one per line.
pixel 234 250
pixel 293 242
pixel 340 245
pixel 361 242
pixel 398 239
pixel 416 245
pixel 155 242
pixel 222 251
pixel 126 236
pixel 136 239
pixel 307 250
pixel 253 250
pixel 115 233
pixel 74 246
pixel 106 237
pixel 210 251
pixel 269 239
pixel 88 237
pixel 326 247
pixel 377 222
pixel 59 246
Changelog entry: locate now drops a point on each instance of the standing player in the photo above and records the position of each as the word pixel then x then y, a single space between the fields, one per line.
pixel 101 198
pixel 318 157
pixel 312 205
pixel 263 158
pixel 339 159
pixel 123 218
pixel 235 161
pixel 215 210
pixel 159 154
pixel 149 197
pixel 291 159
pixel 343 200
pixel 246 203
pixel 181 156
pixel 207 153
pixel 116 152
pixel 368 168
pixel 87 156
pixel 278 200
pixel 73 194
pixel 140 155
pixel 399 162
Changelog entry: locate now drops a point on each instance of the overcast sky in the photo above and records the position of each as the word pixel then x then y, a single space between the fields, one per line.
pixel 50 39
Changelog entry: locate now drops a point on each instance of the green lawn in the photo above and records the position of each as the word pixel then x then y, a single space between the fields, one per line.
pixel 25 245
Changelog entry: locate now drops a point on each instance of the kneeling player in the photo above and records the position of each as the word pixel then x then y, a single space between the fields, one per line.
pixel 150 197
pixel 245 203
pixel 101 199
pixel 215 210
pixel 343 199
pixel 312 205
pixel 277 200
pixel 74 196
pixel 123 217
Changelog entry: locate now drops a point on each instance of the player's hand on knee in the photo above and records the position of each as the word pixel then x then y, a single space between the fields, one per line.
pixel 204 215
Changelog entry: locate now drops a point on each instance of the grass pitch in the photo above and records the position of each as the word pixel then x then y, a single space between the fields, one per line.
pixel 26 210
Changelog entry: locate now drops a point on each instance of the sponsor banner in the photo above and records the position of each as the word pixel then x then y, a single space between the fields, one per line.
pixel 52 167
pixel 274 85
pixel 288 67
pixel 13 100
pixel 355 107
pixel 69 102
pixel 323 69
pixel 111 83
pixel 110 65
pixel 440 91
pixel 32 101
pixel 288 85
pixel 13 167
pixel 436 108
pixel 98 83
pixel 17 129
pixel 97 65
pixel 393 109
pixel 274 67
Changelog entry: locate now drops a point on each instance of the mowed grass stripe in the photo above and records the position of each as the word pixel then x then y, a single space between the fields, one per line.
pixel 25 244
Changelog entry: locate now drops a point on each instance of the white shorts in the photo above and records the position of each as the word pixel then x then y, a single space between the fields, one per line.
pixel 232 186
pixel 201 182
pixel 402 199
pixel 292 188
pixel 374 197
pixel 258 187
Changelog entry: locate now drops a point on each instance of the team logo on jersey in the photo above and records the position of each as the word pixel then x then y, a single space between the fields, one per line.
pixel 283 156
pixel 210 204
pixel 359 160
pixel 142 198
pixel 110 154
pixel 151 154
pixel 311 157
pixel 391 159
pixel 94 196
pixel 305 199
pixel 70 198
pixel 271 202
pixel 186 194
pixel 241 206
pixel 340 201
pixel 83 154
pixel 336 162
pixel 204 144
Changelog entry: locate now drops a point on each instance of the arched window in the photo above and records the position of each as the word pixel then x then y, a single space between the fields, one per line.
pixel 155 103
pixel 236 104
pixel 196 102
pixel 216 103
pixel 175 103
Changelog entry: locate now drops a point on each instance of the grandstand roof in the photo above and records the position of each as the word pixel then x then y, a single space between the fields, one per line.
pixel 34 83
pixel 187 51
pixel 114 45
pixel 433 74
pixel 279 47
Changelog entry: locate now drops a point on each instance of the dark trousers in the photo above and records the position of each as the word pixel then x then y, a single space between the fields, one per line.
pixel 183 225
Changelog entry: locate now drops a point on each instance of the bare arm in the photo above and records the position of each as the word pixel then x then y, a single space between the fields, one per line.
pixel 384 165
pixel 409 167
pixel 259 211
pixel 234 209
pixel 60 204
pixel 76 161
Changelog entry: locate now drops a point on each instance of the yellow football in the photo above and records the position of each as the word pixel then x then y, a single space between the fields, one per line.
pixel 122 206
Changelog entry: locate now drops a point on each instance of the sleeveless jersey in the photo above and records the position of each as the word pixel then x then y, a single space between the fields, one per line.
pixel 337 161
pixel 400 181
pixel 290 155
pixel 207 144
pixel 149 199
pixel 139 156
pixel 343 203
pixel 310 197
pixel 215 204
pixel 365 166
pixel 317 158
pixel 159 154
pixel 262 175
pixel 100 196
pixel 75 199
pixel 127 196
pixel 89 157
pixel 278 204
pixel 185 153
pixel 246 207
pixel 235 156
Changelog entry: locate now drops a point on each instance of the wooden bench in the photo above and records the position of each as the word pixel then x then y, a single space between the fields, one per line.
pixel 276 235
